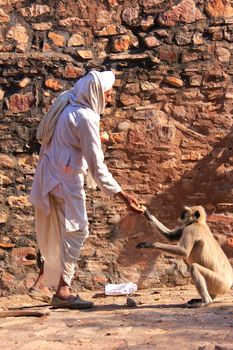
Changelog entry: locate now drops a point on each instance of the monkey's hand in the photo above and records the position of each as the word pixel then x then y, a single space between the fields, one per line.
pixel 145 245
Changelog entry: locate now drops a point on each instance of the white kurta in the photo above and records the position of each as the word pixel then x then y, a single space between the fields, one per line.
pixel 75 146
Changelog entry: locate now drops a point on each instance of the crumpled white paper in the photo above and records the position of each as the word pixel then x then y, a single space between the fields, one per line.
pixel 120 289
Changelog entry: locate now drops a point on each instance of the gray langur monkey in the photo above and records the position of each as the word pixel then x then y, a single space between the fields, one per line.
pixel 210 268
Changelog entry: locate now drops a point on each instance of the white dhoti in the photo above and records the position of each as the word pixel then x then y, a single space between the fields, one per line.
pixel 59 249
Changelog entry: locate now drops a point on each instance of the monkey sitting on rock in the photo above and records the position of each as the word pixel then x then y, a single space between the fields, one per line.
pixel 210 269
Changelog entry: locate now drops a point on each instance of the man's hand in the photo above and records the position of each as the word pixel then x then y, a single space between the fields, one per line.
pixel 131 202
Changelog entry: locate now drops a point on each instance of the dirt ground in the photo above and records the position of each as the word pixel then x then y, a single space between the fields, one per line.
pixel 160 321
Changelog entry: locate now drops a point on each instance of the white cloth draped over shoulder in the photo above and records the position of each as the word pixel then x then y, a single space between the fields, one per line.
pixel 69 135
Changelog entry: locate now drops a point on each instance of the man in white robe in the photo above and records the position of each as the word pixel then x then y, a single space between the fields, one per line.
pixel 69 135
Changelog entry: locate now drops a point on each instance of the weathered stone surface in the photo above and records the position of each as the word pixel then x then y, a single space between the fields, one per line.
pixel 183 39
pixel 24 256
pixel 147 23
pixel 151 3
pixel 125 56
pixel 134 42
pixel 2 93
pixel 3 216
pixel 5 180
pixel 124 126
pixel 23 83
pixel 147 86
pixel 7 161
pixel 85 54
pixel 167 55
pixel 4 18
pixel 35 10
pixel 133 88
pixel 103 17
pixel 76 40
pixel 130 16
pixel 151 41
pixel 19 201
pixel 53 84
pixel 120 44
pixel 198 39
pixel 28 160
pixel 174 81
pixel 42 26
pixel 186 12
pixel 71 21
pixel 188 57
pixel 219 8
pixel 223 54
pixel 129 99
pixel 72 72
pixel 19 34
pixel 111 30
pixel 57 39
pixel 19 103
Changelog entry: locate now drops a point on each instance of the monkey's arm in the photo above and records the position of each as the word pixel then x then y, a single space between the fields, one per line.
pixel 171 249
pixel 171 235
pixel 183 250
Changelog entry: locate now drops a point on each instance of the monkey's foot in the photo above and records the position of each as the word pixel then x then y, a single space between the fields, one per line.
pixel 198 304
pixel 144 245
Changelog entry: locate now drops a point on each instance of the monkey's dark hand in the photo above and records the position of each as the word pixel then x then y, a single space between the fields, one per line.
pixel 144 245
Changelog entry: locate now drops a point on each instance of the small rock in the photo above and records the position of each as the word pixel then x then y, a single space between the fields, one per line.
pixel 223 54
pixel 85 54
pixel 42 26
pixel 219 8
pixel 110 30
pixel 57 39
pixel 173 81
pixel 151 42
pixel 35 10
pixel 130 302
pixel 147 23
pixel 72 72
pixel 130 16
pixel 71 21
pixel 4 16
pixel 2 93
pixel 76 40
pixel 19 103
pixel 53 84
pixel 19 34
pixel 23 83
pixel 124 126
pixel 18 201
pixel 121 43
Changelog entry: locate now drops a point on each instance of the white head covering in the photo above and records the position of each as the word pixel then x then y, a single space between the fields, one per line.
pixel 87 91
pixel 107 79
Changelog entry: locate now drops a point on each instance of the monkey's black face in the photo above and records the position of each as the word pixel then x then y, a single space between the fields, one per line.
pixel 183 215
pixel 186 216
pixel 189 215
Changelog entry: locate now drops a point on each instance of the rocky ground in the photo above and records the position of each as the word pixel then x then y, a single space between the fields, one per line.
pixel 160 321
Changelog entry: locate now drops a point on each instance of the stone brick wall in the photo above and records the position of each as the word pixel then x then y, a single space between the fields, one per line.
pixel 170 125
